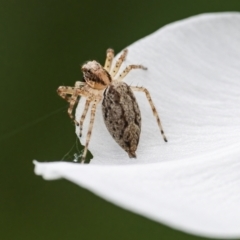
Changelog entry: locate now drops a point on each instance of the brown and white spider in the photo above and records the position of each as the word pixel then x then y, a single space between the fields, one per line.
pixel 120 110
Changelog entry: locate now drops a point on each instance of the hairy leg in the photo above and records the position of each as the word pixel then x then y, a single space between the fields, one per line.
pixel 72 103
pixel 109 59
pixel 118 64
pixel 142 89
pixel 89 133
pixel 74 98
pixel 86 107
pixel 128 69
pixel 65 92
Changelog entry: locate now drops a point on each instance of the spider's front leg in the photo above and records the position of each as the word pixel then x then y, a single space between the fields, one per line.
pixel 65 92
pixel 89 133
pixel 86 107
pixel 109 59
pixel 70 94
pixel 142 89
pixel 128 69
pixel 118 64
pixel 74 99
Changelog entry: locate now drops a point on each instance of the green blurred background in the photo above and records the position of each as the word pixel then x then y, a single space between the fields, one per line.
pixel 42 44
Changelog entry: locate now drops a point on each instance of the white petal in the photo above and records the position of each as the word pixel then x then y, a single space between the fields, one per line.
pixel 192 182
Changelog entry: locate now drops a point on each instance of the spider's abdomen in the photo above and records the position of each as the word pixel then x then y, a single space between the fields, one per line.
pixel 122 116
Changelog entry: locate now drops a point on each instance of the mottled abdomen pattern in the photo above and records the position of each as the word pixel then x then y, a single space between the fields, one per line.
pixel 122 116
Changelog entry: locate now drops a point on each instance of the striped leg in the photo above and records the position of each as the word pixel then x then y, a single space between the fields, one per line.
pixel 89 133
pixel 83 116
pixel 69 94
pixel 109 59
pixel 65 92
pixel 74 98
pixel 118 64
pixel 128 69
pixel 65 97
pixel 72 103
pixel 142 89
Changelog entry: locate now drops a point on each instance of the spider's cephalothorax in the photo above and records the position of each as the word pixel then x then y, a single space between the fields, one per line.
pixel 95 75
pixel 120 110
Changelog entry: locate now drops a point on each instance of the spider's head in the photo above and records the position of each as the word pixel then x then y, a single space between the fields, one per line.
pixel 95 75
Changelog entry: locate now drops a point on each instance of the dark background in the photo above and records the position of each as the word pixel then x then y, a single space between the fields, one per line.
pixel 42 44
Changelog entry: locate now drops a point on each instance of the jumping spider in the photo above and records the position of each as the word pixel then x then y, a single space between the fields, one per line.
pixel 120 110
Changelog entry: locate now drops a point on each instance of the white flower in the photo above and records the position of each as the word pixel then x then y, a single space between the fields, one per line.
pixel 191 183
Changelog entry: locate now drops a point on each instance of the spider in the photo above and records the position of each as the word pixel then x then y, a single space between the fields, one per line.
pixel 120 109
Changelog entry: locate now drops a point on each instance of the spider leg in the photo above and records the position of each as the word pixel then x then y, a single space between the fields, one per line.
pixel 118 64
pixel 73 100
pixel 142 89
pixel 66 97
pixel 108 62
pixel 128 69
pixel 72 103
pixel 78 84
pixel 83 116
pixel 64 92
pixel 89 133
